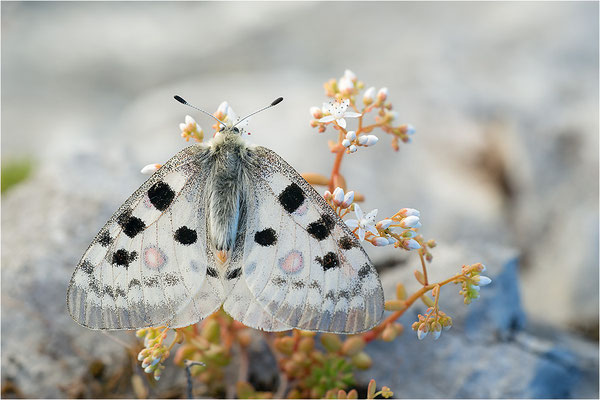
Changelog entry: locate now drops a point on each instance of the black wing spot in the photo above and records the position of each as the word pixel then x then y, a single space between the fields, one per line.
pixel 131 225
pixel 330 260
pixel 210 271
pixel 123 257
pixel 120 292
pixel 94 285
pixel 364 271
pixel 186 236
pixel 298 285
pixel 87 267
pixel 105 240
pixel 347 242
pixel 267 237
pixel 161 195
pixel 233 274
pixel 109 291
pixel 151 281
pixel 321 228
pixel 291 198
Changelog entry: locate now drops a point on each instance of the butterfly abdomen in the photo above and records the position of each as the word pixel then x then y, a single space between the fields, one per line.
pixel 226 188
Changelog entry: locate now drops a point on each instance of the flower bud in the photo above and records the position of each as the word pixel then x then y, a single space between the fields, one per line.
pixel 316 112
pixel 482 280
pixel 371 140
pixel 411 244
pixel 338 196
pixel 362 140
pixel 353 345
pixel 422 331
pixel 379 241
pixel 306 344
pixel 409 234
pixel 351 135
pixel 389 333
pixel 408 212
pixel 348 199
pixel 410 130
pixel 331 342
pixel 351 76
pixel 211 331
pixel 391 240
pixel 150 169
pixel 409 222
pixel 437 330
pixel 362 360
pixel 369 96
pixel 382 94
pixel 327 195
pixel 223 109
pixel 285 345
pixel 346 143
pixel 384 224
pixel 352 149
pixel 345 85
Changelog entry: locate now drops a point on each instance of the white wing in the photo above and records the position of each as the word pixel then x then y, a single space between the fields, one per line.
pixel 150 264
pixel 301 262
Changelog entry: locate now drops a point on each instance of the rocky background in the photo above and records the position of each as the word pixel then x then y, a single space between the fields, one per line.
pixel 504 168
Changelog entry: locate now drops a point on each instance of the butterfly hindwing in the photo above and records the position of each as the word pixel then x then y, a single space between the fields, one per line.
pixel 148 265
pixel 300 261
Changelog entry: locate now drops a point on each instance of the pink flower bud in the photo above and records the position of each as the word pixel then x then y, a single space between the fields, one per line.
pixel 351 135
pixel 382 94
pixel 369 96
pixel 345 85
pixel 348 199
pixel 316 112
pixel 327 195
pixel 411 244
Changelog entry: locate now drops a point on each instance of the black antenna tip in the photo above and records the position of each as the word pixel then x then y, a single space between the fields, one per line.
pixel 277 101
pixel 180 99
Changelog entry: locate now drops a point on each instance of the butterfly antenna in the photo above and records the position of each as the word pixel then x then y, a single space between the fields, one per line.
pixel 182 101
pixel 274 103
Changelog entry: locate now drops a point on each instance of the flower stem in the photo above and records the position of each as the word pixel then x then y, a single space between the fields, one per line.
pixel 424 268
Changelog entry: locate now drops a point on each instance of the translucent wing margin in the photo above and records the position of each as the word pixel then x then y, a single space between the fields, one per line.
pixel 300 261
pixel 149 265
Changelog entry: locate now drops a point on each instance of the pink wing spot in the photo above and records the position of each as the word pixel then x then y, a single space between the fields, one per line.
pixel 302 209
pixel 154 257
pixel 292 263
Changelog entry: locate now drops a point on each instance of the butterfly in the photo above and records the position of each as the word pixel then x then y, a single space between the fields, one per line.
pixel 226 224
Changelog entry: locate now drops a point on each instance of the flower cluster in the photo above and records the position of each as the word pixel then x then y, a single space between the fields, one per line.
pixel 191 129
pixel 433 321
pixel 472 281
pixel 154 351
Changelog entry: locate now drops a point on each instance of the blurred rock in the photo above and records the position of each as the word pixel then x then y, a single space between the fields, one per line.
pixel 490 352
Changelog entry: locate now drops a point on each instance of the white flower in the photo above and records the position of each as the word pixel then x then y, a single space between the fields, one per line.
pixel 369 95
pixel 422 332
pixel 352 148
pixel 351 135
pixel 391 240
pixel 407 212
pixel 411 244
pixel 338 112
pixel 150 169
pixel 364 223
pixel 362 140
pixel 346 143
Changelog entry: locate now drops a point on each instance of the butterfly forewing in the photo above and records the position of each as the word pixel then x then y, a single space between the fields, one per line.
pixel 148 264
pixel 300 261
